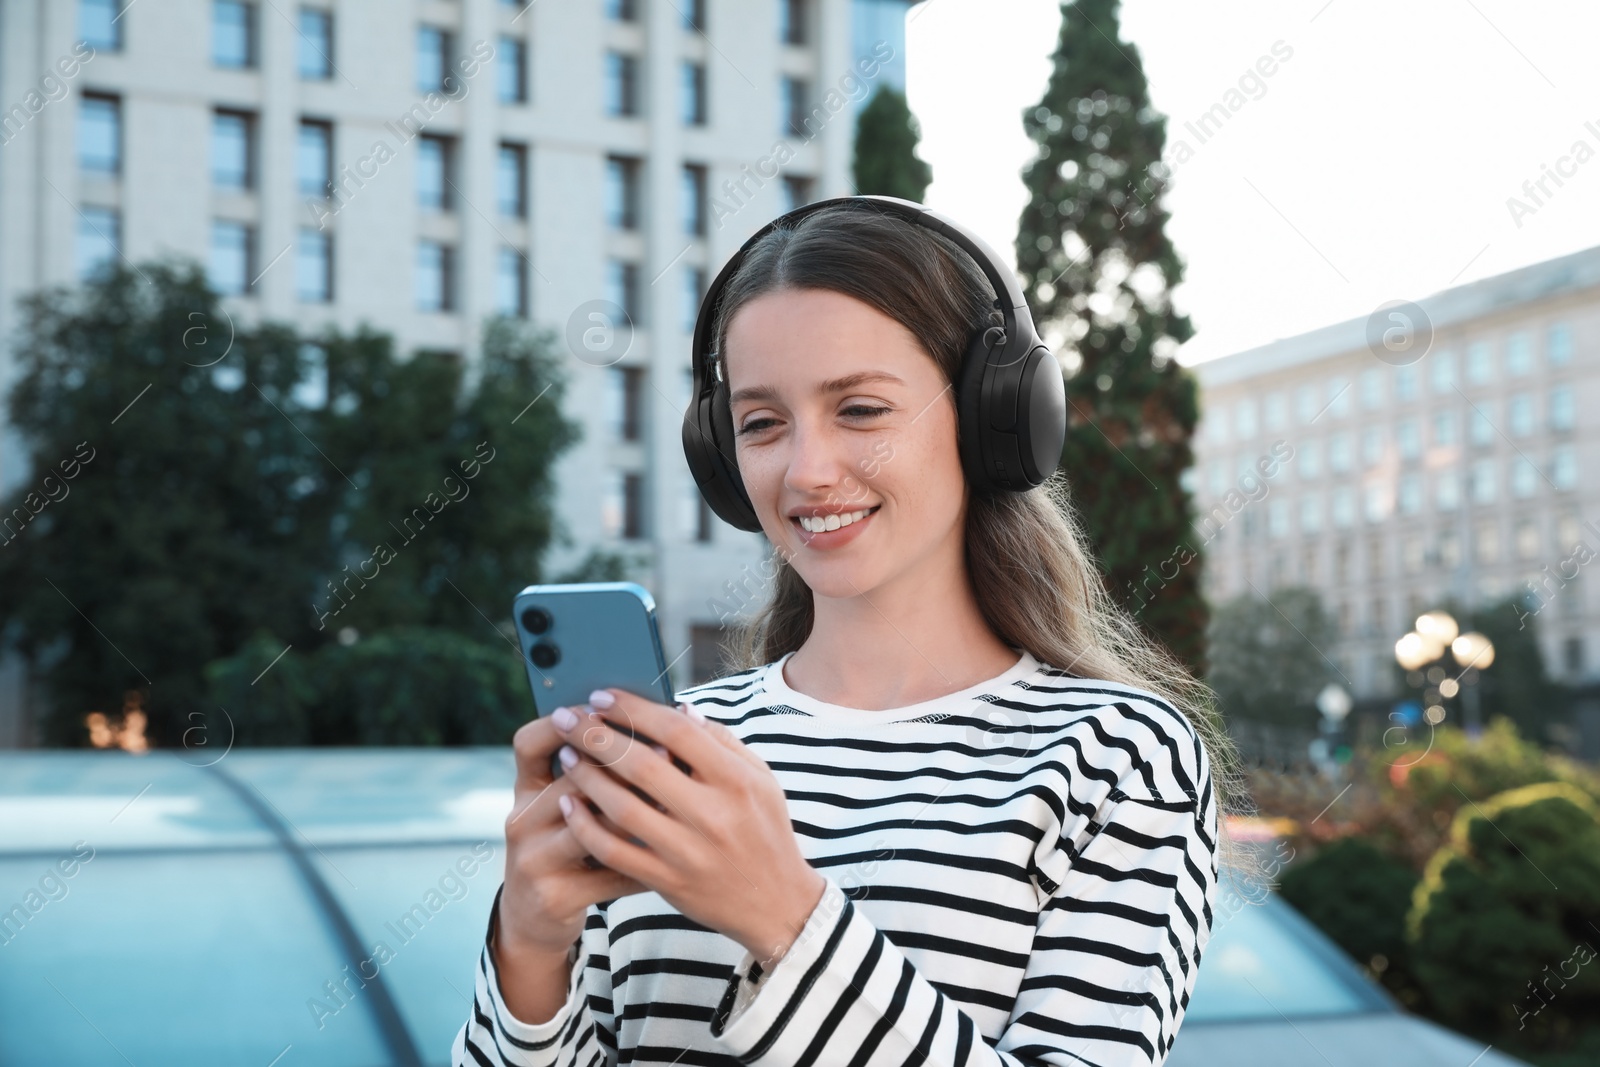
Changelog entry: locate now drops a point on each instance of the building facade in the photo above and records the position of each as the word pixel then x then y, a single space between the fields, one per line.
pixel 423 165
pixel 1389 463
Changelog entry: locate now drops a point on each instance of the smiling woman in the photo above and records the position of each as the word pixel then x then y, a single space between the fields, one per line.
pixel 955 808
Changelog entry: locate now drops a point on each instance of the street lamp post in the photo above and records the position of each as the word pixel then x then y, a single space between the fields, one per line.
pixel 1424 649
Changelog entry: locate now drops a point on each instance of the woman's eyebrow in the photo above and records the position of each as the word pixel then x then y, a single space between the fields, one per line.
pixel 832 385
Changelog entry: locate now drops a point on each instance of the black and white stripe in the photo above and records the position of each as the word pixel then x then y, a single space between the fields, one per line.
pixel 1021 873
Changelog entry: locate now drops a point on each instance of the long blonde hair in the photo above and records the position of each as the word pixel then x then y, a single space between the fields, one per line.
pixel 1027 557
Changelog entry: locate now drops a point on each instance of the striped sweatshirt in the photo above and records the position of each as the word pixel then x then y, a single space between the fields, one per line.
pixel 1018 873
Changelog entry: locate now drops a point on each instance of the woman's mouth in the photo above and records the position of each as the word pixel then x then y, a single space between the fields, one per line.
pixel 834 529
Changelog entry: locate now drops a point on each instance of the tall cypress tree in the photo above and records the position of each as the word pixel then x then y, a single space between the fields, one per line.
pixel 1098 267
pixel 886 162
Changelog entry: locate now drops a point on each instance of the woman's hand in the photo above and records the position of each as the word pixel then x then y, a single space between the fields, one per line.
pixel 718 843
pixel 548 884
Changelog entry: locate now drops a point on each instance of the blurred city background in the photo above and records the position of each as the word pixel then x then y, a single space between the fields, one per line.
pixel 327 325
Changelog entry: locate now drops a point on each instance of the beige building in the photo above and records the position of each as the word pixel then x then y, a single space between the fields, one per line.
pixel 1388 482
pixel 421 165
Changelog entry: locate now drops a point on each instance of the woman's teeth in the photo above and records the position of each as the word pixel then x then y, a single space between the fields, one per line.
pixel 821 523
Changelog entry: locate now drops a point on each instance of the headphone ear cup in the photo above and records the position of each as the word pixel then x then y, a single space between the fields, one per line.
pixel 1042 414
pixel 725 491
pixel 971 432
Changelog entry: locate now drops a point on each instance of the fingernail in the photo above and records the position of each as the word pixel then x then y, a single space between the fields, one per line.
pixel 564 719
pixel 693 712
pixel 661 750
pixel 566 804
pixel 601 699
pixel 568 757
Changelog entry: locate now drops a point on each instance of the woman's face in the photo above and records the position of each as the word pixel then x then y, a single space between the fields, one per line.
pixel 846 440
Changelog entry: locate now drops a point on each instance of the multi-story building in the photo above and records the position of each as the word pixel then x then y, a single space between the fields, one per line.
pixel 421 165
pixel 1342 461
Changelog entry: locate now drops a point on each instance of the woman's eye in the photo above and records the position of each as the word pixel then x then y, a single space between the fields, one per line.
pixel 864 411
pixel 756 426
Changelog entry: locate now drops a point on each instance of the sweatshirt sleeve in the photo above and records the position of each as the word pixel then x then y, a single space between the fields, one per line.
pixel 580 1033
pixel 1113 963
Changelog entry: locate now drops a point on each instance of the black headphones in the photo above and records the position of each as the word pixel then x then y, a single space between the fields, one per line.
pixel 1011 398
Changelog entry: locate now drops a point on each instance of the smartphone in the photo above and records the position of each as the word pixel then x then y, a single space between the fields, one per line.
pixel 591 635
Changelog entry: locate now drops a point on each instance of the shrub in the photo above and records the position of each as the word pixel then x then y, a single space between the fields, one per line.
pixel 1509 905
pixel 1358 896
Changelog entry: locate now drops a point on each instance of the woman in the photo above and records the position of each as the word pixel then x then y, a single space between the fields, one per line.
pixel 954 809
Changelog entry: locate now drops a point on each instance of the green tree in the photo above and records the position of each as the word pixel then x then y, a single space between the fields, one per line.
pixel 1099 270
pixel 225 484
pixel 1266 657
pixel 886 161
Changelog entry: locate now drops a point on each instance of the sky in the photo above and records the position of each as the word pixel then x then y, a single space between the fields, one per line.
pixel 1375 163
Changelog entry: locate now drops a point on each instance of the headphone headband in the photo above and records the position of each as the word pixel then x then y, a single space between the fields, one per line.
pixel 1012 418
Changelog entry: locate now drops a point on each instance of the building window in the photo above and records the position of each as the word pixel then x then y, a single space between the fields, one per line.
pixel 511 70
pixel 694 14
pixel 792 21
pixel 1519 415
pixel 100 24
pixel 694 200
pixel 100 135
pixel 1483 481
pixel 622 84
pixel 1444 428
pixel 622 193
pixel 1372 445
pixel 796 191
pixel 1339 453
pixel 622 288
pixel 1572 654
pixel 511 181
pixel 1558 345
pixel 314 46
pixel 1338 397
pixel 1486 542
pixel 694 290
pixel 232 151
pixel 694 94
pixel 1410 494
pixel 1310 457
pixel 622 10
pixel 511 283
pixel 232 253
pixel 99 240
pixel 1444 371
pixel 1447 491
pixel 313 160
pixel 435 281
pixel 433 60
pixel 1376 502
pixel 233 34
pixel 1408 437
pixel 1519 355
pixel 1277 517
pixel 633 523
pixel 313 267
pixel 627 386
pixel 1482 432
pixel 1244 419
pixel 1527 540
pixel 1449 549
pixel 1405 383
pixel 1411 558
pixel 1563 468
pixel 1344 507
pixel 1310 514
pixel 1567 533
pixel 1480 362
pixel 1305 403
pixel 433 173
pixel 793 98
pixel 1561 416
pixel 1371 388
pixel 1273 411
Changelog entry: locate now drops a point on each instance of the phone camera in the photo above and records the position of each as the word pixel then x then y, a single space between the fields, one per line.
pixel 544 654
pixel 535 620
